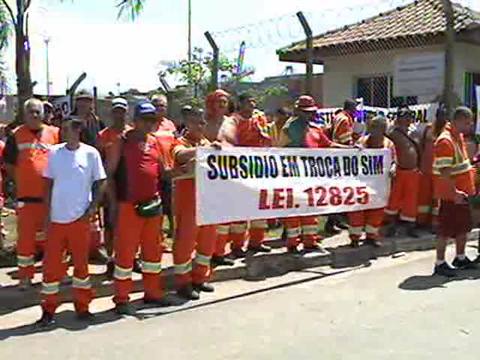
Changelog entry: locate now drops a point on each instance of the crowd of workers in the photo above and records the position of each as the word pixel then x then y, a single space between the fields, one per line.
pixel 78 182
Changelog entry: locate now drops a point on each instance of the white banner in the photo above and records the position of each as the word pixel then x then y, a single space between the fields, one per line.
pixel 63 103
pixel 267 183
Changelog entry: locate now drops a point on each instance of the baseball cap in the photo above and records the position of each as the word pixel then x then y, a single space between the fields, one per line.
pixel 120 103
pixel 144 108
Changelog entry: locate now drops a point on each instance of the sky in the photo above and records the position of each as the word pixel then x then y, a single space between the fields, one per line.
pixel 86 35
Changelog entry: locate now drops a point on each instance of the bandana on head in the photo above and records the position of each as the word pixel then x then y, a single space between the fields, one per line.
pixel 211 101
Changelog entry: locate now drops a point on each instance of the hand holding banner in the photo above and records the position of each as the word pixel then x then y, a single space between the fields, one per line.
pixel 263 183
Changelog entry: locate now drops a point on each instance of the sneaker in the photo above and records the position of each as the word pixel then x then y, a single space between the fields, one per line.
pixel 261 249
pixel 46 320
pixel 188 293
pixel 125 309
pixel 204 287
pixel 85 316
pixel 465 264
pixel 25 284
pixel 330 228
pixel 161 302
pixel 238 253
pixel 222 261
pixel 444 270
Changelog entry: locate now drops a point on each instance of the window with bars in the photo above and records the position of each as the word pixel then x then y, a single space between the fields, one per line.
pixel 377 91
pixel 471 81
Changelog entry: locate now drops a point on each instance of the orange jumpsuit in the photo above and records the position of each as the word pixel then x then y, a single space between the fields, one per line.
pixel 252 132
pixel 32 149
pixel 427 207
pixel 190 237
pixel 137 182
pixel 404 193
pixel 371 220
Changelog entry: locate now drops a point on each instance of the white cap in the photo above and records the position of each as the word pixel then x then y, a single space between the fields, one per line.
pixel 120 103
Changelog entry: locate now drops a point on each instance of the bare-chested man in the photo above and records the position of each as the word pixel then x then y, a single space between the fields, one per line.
pixel 405 187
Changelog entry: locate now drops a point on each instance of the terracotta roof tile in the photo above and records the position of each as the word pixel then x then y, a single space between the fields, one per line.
pixel 420 18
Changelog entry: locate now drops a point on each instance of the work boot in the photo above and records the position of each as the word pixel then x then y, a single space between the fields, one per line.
pixel 238 253
pixel 411 230
pixel 355 244
pixel 188 293
pixel 46 320
pixel 221 261
pixel 25 284
pixel 110 270
pixel 85 316
pixel 444 270
pixel 204 287
pixel 161 302
pixel 465 264
pixel 260 249
pixel 330 227
pixel 125 309
pixel 390 230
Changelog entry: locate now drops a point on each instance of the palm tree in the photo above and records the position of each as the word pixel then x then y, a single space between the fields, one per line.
pixel 19 22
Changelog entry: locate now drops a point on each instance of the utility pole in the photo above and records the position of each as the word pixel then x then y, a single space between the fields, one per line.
pixel 216 56
pixel 449 93
pixel 189 30
pixel 47 43
pixel 309 60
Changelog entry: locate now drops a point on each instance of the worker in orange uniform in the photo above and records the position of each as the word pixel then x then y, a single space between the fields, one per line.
pixel 107 138
pixel 248 128
pixel 371 220
pixel 137 165
pixel 294 135
pixel 76 182
pixel 191 279
pixel 427 205
pixel 453 184
pixel 216 110
pixel 165 131
pixel 26 156
pixel 403 201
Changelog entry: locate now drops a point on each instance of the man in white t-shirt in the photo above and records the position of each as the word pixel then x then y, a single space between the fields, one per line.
pixel 75 181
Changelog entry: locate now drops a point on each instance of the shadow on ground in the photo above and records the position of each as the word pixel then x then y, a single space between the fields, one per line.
pixel 422 282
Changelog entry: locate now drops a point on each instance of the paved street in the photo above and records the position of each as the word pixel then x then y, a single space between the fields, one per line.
pixel 391 310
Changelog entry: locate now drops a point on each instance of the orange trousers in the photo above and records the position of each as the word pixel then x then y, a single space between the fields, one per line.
pixel 236 233
pixel 74 237
pixel 30 224
pixel 427 206
pixel 189 238
pixel 134 232
pixel 302 229
pixel 404 195
pixel 369 221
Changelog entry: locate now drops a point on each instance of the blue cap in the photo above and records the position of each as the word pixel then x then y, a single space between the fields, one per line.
pixel 144 108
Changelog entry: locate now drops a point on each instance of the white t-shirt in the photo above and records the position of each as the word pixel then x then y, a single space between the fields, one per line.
pixel 73 174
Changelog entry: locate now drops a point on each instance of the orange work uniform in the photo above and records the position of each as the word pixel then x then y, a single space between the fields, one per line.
pixel 137 178
pixel 28 152
pixel 342 128
pixel 427 206
pixel 370 220
pixel 252 132
pixel 403 200
pixel 188 236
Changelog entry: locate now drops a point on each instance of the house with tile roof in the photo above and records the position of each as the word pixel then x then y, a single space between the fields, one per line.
pixel 360 60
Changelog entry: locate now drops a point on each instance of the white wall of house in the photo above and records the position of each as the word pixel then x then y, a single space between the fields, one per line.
pixel 341 73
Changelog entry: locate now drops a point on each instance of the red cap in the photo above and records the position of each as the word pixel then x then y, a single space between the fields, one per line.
pixel 306 103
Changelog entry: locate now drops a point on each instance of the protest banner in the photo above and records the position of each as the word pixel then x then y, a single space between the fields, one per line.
pixel 265 183
pixel 62 103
